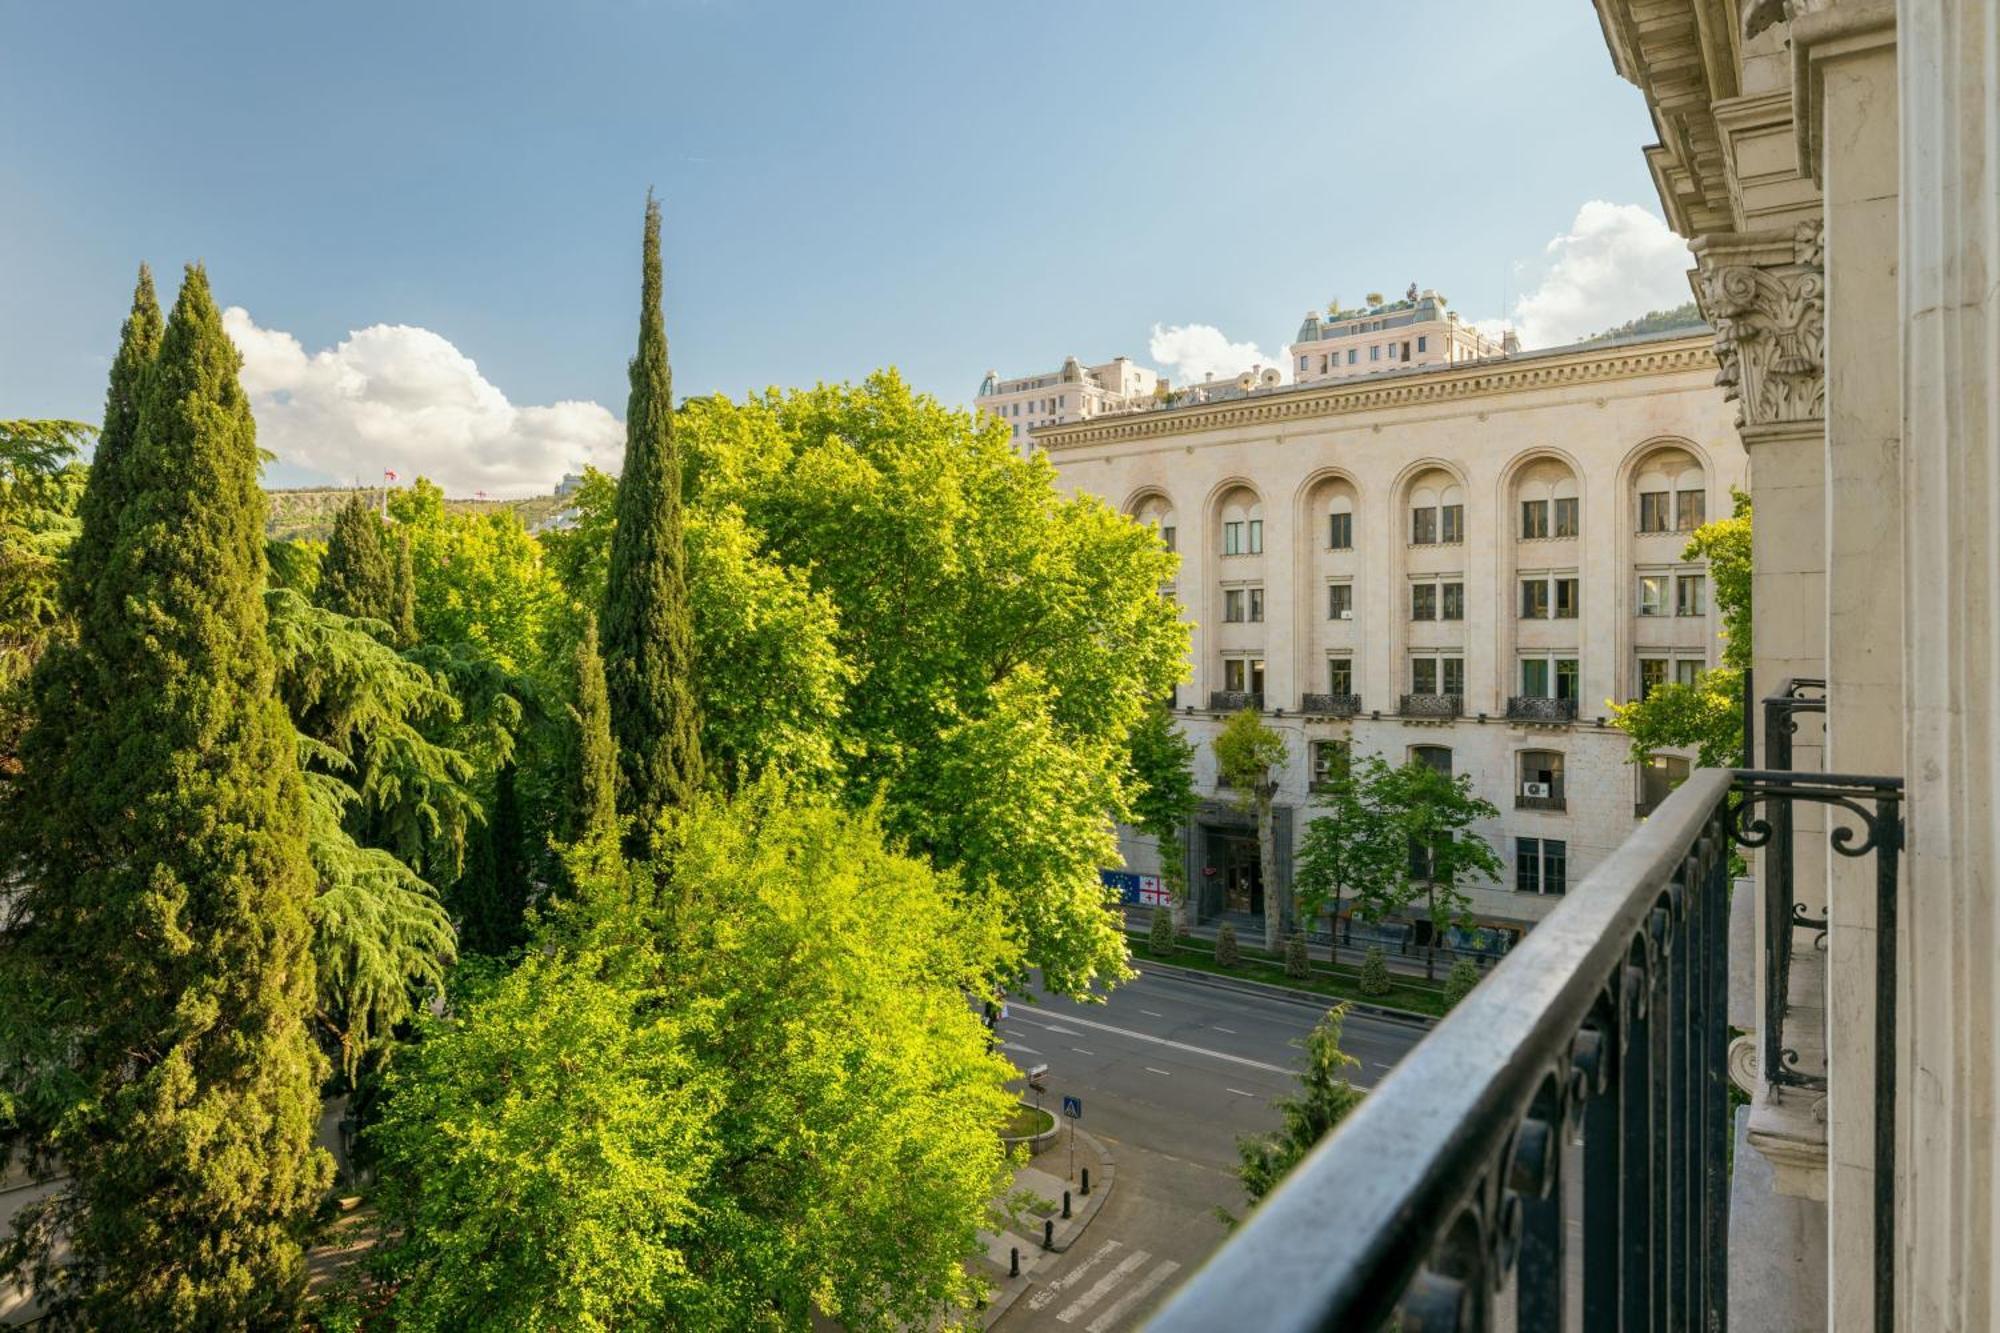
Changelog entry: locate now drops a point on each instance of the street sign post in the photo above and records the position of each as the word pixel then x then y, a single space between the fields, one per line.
pixel 1073 1112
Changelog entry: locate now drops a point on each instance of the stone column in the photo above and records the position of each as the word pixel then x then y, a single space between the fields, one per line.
pixel 1950 940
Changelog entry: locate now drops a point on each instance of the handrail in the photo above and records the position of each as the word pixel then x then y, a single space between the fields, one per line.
pixel 1450 1170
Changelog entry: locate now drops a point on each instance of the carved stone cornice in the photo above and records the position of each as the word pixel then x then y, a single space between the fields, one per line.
pixel 1683 55
pixel 1765 295
pixel 1441 386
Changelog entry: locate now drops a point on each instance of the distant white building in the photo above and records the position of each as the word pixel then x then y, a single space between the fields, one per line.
pixel 1388 335
pixel 1073 393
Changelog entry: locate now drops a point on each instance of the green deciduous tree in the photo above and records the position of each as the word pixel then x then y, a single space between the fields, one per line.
pixel 403 601
pixel 357 578
pixel 1354 843
pixel 647 626
pixel 1325 1099
pixel 155 986
pixel 1163 800
pixel 479 578
pixel 1249 756
pixel 41 486
pixel 770 1101
pixel 1431 815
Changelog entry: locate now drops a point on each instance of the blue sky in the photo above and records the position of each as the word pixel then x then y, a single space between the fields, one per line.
pixel 942 187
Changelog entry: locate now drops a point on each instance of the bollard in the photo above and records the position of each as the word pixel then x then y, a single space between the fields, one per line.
pixel 1065 1203
pixel 1013 1261
pixel 1086 1180
pixel 1048 1235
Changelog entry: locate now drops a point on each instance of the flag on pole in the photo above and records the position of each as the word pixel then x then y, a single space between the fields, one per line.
pixel 389 473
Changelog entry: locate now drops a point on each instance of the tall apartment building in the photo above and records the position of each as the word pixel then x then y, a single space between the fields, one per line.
pixel 1458 564
pixel 1388 335
pixel 1073 393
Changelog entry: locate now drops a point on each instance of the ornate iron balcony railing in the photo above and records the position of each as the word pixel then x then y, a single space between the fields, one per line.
pixel 1234 701
pixel 1330 705
pixel 1599 1046
pixel 1431 705
pixel 1534 708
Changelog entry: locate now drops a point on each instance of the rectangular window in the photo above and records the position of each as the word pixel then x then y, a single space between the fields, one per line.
pixel 1555 865
pixel 1534 518
pixel 1256 606
pixel 1232 606
pixel 1256 675
pixel 1653 510
pixel 1540 865
pixel 1687 670
pixel 1452 602
pixel 1422 342
pixel 1566 518
pixel 1452 524
pixel 1567 677
pixel 1423 602
pixel 1567 591
pixel 1232 673
pixel 1652 594
pixel 1322 363
pixel 1406 350
pixel 1232 538
pixel 1691 595
pixel 1534 599
pixel 1330 761
pixel 1352 353
pixel 1340 675
pixel 1453 673
pixel 1423 527
pixel 1423 675
pixel 1167 538
pixel 1339 603
pixel 1340 532
pixel 1652 674
pixel 1302 362
pixel 1256 536
pixel 1535 677
pixel 1375 352
pixel 1690 509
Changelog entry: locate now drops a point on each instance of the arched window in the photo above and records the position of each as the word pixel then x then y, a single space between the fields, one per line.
pixel 1545 496
pixel 1437 510
pixel 1672 492
pixel 1157 513
pixel 1437 757
pixel 1340 523
pixel 1242 523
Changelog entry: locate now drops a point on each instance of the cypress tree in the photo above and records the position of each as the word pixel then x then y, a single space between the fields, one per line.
pixel 155 971
pixel 356 578
pixel 104 498
pixel 648 632
pixel 591 779
pixel 405 601
pixel 491 898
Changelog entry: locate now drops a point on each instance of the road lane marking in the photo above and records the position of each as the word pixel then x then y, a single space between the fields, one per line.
pixel 1164 1073
pixel 1219 1028
pixel 1080 1051
pixel 1150 1014
pixel 1061 1032
pixel 1056 1288
pixel 1243 1060
pixel 1080 1307
pixel 1239 1092
pixel 1131 1298
pixel 1017 1046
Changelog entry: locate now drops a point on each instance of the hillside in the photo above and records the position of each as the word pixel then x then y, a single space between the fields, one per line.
pixel 308 513
pixel 1686 316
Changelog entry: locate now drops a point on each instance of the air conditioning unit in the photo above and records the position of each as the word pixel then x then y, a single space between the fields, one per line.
pixel 1540 789
pixel 1347 615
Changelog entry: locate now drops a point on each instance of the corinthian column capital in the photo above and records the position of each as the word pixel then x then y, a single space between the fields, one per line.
pixel 1764 293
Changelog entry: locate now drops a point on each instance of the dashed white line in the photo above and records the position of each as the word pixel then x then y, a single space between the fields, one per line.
pixel 1150 1014
pixel 1219 1028
pixel 1166 1073
pixel 1239 1092
pixel 1080 1051
pixel 1171 1045
pixel 1131 1298
pixel 1079 1307
pixel 1060 1032
pixel 1047 1295
pixel 1017 1046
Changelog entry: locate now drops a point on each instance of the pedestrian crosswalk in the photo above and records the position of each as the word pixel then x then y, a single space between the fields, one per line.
pixel 1111 1273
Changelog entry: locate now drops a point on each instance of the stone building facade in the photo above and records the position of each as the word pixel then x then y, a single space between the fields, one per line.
pixel 1418 330
pixel 1073 392
pixel 1457 564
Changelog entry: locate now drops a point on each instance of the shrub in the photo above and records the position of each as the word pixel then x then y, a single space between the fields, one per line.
pixel 1225 946
pixel 1298 965
pixel 1459 982
pixel 1161 938
pixel 1375 971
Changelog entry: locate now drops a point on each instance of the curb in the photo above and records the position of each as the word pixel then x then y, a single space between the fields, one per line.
pixel 1008 1291
pixel 1265 990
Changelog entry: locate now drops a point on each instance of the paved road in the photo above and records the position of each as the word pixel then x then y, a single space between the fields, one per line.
pixel 1171 1073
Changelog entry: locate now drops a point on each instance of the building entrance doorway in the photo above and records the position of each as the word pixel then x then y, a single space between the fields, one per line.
pixel 1233 857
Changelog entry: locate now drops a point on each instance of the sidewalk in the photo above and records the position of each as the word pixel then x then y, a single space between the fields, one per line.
pixel 1139 920
pixel 1046 1176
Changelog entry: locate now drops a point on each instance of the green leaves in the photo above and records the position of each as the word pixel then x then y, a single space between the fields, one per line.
pixel 1325 1099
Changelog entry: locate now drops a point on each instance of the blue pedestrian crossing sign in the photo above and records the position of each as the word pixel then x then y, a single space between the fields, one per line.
pixel 1073 1107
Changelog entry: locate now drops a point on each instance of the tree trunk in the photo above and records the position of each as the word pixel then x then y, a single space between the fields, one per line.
pixel 1267 859
pixel 1176 879
pixel 1431 950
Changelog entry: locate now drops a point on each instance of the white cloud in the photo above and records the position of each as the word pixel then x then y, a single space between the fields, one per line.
pixel 1615 263
pixel 1192 352
pixel 393 396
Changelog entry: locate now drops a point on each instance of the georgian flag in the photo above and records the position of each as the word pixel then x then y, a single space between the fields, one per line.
pixel 389 473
